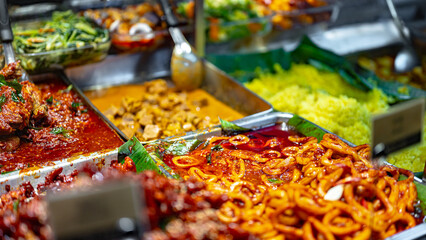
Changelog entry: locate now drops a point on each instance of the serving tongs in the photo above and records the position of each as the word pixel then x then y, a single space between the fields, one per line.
pixel 186 66
pixel 6 37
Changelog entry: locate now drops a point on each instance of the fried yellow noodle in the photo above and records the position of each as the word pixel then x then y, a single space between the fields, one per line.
pixel 308 190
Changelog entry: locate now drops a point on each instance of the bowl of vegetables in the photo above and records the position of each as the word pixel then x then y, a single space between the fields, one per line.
pixel 228 20
pixel 63 40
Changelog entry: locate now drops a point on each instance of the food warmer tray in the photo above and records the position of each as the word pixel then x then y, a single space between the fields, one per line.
pixel 100 158
pixel 285 119
pixel 215 82
pixel 257 122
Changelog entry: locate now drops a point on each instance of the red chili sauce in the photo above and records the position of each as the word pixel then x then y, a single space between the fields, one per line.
pixel 70 129
pixel 270 138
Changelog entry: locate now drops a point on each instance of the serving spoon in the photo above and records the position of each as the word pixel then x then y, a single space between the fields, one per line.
pixel 186 66
pixel 6 37
pixel 407 58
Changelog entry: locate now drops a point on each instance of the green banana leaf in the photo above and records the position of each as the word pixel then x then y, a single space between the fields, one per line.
pixel 245 67
pixel 306 127
pixel 140 156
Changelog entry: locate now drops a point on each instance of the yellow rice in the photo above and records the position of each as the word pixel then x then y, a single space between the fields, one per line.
pixel 327 100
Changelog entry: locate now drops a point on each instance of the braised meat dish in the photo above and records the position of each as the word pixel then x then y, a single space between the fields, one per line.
pixel 46 121
pixel 20 103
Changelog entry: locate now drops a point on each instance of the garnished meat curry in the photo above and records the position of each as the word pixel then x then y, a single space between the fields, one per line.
pixel 46 122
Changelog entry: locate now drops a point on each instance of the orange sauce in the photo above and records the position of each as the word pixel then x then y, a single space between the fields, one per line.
pixel 105 98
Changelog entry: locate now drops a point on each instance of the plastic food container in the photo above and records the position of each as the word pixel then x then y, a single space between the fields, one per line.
pixel 66 57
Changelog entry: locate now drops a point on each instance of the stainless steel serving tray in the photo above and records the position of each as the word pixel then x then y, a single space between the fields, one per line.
pixel 102 159
pixel 253 122
pixel 217 83
pixel 15 178
pixel 271 119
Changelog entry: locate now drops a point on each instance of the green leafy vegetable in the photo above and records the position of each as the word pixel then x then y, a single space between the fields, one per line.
pixel 275 181
pixel 134 150
pixel 61 130
pixel 2 101
pixel 180 148
pixel 232 19
pixel 50 100
pixel 230 128
pixel 69 38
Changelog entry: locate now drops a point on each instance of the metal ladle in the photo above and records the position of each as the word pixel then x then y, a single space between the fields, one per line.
pixel 407 58
pixel 6 37
pixel 186 66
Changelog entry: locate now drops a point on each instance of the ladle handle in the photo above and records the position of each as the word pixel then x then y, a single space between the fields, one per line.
pixel 6 34
pixel 168 13
pixel 402 29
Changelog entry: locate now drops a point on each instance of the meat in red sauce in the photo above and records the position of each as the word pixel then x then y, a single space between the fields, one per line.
pixel 69 128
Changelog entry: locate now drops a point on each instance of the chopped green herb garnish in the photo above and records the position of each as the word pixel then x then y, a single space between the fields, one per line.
pixel 15 205
pixel 36 128
pixel 50 100
pixel 66 90
pixel 84 111
pixel 13 84
pixel 16 96
pixel 277 181
pixel 76 104
pixel 217 147
pixel 61 130
pixel 2 101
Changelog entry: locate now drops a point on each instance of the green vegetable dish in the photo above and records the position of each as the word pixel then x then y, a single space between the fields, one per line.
pixel 64 40
pixel 229 19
